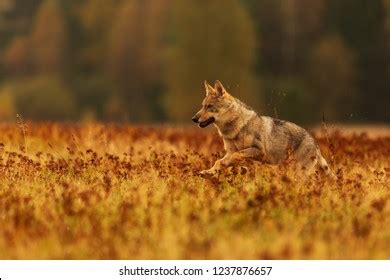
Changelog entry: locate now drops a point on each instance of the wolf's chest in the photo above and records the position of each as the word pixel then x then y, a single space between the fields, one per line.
pixel 241 142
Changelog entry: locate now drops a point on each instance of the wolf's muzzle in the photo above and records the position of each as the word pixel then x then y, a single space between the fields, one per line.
pixel 206 122
pixel 195 119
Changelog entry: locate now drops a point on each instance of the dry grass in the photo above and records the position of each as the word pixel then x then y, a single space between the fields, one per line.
pixel 98 191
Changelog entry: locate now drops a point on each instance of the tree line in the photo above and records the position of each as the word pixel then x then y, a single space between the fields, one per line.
pixel 145 61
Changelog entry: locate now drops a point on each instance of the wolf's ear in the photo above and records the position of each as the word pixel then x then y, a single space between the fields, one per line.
pixel 220 90
pixel 209 89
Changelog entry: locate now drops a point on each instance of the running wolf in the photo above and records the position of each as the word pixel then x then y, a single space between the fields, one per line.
pixel 249 136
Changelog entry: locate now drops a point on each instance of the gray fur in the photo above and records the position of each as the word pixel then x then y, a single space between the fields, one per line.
pixel 249 136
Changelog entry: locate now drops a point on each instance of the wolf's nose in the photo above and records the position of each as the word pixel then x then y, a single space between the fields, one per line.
pixel 195 119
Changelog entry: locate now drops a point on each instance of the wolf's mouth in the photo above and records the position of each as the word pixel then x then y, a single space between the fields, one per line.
pixel 206 122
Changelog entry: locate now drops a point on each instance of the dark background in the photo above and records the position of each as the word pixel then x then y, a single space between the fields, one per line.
pixel 146 60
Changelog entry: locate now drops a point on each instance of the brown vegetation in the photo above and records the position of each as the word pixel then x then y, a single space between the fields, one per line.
pixel 95 191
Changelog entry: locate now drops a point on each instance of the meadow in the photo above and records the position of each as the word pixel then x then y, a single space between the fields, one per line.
pixel 107 191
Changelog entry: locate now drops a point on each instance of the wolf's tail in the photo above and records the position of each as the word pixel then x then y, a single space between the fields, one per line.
pixel 323 166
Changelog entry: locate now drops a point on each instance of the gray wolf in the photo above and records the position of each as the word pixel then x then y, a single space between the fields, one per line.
pixel 247 135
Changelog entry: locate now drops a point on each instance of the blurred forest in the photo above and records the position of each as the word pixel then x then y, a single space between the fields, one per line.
pixel 146 60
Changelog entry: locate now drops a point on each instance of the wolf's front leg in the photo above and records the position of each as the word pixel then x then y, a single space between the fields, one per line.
pixel 249 153
pixel 215 169
pixel 230 158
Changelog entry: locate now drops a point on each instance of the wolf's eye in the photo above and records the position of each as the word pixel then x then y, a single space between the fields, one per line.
pixel 209 107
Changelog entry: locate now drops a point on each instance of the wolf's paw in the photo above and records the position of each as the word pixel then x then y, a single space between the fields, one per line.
pixel 208 173
pixel 333 177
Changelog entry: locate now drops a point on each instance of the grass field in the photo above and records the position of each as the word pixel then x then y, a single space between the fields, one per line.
pixel 95 191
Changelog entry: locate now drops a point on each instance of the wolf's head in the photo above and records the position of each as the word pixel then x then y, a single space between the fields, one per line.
pixel 216 103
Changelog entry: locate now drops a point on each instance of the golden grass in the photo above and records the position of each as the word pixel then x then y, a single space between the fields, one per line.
pixel 97 191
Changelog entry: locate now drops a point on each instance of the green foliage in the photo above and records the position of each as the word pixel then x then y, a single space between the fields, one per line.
pixel 287 32
pixel 210 41
pixel 387 16
pixel 146 60
pixel 285 98
pixel 42 98
pixel 331 75
pixel 365 33
pixel 93 93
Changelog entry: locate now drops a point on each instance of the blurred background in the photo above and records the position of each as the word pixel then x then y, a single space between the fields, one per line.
pixel 146 60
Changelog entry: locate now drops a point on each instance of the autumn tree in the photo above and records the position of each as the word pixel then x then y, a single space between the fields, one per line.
pixel 332 78
pixel 386 4
pixel 300 29
pixel 96 18
pixel 387 32
pixel 134 54
pixel 49 38
pixel 17 58
pixel 15 19
pixel 365 33
pixel 209 41
pixel 286 31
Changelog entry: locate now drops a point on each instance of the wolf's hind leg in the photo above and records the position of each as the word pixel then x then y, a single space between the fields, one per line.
pixel 306 155
pixel 316 163
pixel 307 166
pixel 323 166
